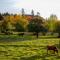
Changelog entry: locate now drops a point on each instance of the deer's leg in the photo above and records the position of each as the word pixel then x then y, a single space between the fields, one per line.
pixel 47 51
pixel 54 51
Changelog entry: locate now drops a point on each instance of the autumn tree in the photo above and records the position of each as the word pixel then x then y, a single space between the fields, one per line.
pixel 6 24
pixel 21 24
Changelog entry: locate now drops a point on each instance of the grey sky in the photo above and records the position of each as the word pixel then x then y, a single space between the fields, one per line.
pixel 45 7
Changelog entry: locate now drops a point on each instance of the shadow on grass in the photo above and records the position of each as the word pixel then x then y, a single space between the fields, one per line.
pixel 13 38
pixel 43 57
pixel 30 46
pixel 58 45
pixel 33 57
pixel 58 57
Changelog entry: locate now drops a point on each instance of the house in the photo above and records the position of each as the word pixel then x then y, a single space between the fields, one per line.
pixel 29 17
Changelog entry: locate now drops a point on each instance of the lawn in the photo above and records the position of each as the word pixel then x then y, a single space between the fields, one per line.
pixel 27 48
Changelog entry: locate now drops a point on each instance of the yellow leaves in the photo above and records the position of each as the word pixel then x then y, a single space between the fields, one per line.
pixel 7 18
pixel 17 17
pixel 13 19
pixel 23 21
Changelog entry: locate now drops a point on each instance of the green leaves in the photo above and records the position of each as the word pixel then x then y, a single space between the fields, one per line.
pixel 19 27
pixel 36 25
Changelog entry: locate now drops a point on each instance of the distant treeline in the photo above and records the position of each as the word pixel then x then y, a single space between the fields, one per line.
pixel 29 23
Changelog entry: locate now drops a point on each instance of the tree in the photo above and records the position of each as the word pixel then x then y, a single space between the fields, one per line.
pixel 10 27
pixel 19 27
pixel 38 14
pixel 1 17
pixel 32 12
pixel 21 24
pixel 6 24
pixel 6 14
pixel 51 23
pixel 57 29
pixel 23 12
pixel 36 25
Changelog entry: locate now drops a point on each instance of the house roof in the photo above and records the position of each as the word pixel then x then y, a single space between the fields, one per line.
pixel 29 17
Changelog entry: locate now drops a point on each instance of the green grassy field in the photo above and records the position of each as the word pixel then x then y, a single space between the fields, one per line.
pixel 27 48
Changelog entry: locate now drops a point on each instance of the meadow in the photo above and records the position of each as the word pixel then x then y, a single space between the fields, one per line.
pixel 13 47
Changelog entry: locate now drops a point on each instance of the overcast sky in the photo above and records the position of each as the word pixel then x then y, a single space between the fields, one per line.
pixel 45 7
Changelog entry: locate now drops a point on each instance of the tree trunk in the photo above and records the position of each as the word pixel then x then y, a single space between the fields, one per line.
pixel 59 35
pixel 37 34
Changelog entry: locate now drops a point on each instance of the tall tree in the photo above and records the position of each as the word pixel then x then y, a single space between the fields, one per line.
pixel 22 23
pixel 7 24
pixel 32 12
pixel 38 14
pixel 36 25
pixel 57 28
pixel 23 12
pixel 51 23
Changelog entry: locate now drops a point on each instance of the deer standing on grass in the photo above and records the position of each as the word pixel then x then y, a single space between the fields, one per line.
pixel 53 48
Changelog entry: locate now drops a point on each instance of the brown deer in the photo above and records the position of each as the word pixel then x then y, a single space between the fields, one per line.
pixel 54 48
pixel 21 34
